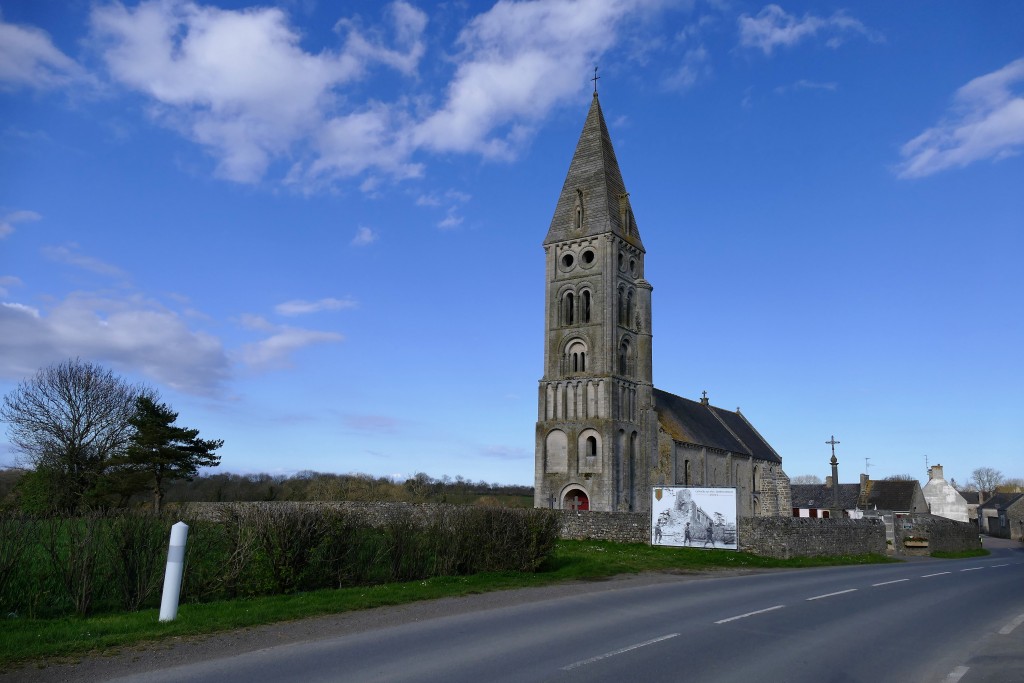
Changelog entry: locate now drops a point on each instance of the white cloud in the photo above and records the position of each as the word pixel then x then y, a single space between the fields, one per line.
pixel 239 82
pixel 28 58
pixel 130 334
pixel 364 236
pixel 451 220
pixel 8 281
pixel 804 84
pixel 518 60
pixel 372 423
pixel 985 121
pixel 275 351
pixel 300 307
pixel 70 255
pixel 8 221
pixel 695 66
pixel 773 27
pixel 505 452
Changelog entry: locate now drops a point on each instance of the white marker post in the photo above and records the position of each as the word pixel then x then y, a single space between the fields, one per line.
pixel 172 576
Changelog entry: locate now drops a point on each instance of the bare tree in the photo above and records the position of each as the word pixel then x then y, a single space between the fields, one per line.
pixel 986 479
pixel 806 479
pixel 901 477
pixel 67 421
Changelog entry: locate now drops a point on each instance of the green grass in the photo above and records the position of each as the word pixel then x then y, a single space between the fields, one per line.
pixel 962 554
pixel 28 639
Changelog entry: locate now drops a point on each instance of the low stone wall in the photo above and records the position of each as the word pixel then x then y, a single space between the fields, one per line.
pixel 768 536
pixel 785 537
pixel 623 527
pixel 941 535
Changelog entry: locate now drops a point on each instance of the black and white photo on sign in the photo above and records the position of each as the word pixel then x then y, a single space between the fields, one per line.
pixel 693 517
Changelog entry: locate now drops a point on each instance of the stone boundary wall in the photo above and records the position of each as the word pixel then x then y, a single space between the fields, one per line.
pixel 942 534
pixel 780 537
pixel 785 537
pixel 623 527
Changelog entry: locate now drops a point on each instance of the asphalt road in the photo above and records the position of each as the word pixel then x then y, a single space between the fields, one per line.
pixel 929 620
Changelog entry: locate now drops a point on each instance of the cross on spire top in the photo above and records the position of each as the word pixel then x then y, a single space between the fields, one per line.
pixel 833 443
pixel 596 78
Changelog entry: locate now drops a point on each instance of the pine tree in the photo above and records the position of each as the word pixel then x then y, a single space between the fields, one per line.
pixel 161 452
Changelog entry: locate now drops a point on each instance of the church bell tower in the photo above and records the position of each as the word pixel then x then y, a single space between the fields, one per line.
pixel 596 425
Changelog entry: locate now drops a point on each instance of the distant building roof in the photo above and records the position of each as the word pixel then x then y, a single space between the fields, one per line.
pixel 895 495
pixel 1001 501
pixel 702 424
pixel 972 497
pixel 820 496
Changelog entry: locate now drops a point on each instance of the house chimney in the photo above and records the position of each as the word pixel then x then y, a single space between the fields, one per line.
pixel 935 472
pixel 863 481
pixel 828 482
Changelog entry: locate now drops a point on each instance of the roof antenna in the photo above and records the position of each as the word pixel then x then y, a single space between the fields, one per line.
pixel 596 78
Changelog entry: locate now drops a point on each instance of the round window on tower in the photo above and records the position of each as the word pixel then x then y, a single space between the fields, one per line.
pixel 587 258
pixel 567 261
pixel 632 267
pixel 622 262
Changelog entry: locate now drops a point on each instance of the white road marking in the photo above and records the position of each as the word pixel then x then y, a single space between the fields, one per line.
pixel 886 583
pixel 618 652
pixel 928 576
pixel 1006 630
pixel 1001 565
pixel 971 569
pixel 749 614
pixel 829 595
pixel 956 674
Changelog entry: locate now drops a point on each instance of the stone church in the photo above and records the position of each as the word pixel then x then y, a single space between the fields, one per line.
pixel 605 435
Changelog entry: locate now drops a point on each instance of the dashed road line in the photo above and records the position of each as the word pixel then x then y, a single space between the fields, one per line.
pixel 749 614
pixel 1006 630
pixel 1001 565
pixel 829 595
pixel 971 569
pixel 886 583
pixel 956 674
pixel 928 576
pixel 618 652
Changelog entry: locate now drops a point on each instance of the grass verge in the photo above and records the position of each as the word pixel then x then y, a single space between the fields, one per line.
pixel 29 639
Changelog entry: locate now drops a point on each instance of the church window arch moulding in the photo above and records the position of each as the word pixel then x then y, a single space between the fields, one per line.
pixel 556 452
pixel 568 308
pixel 575 358
pixel 590 443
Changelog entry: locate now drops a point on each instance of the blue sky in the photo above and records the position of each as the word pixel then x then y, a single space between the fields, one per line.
pixel 315 227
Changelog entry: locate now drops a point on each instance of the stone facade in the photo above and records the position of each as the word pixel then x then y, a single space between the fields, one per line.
pixel 944 500
pixel 604 434
pixel 1002 515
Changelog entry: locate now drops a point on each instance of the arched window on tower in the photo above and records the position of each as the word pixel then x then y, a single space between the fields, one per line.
pixel 591 449
pixel 624 357
pixel 585 306
pixel 622 306
pixel 570 308
pixel 576 356
pixel 629 308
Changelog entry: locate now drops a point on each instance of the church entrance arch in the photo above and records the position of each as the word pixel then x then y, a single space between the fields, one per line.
pixel 575 499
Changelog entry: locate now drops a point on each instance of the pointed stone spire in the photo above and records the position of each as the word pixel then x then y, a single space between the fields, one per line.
pixel 593 184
